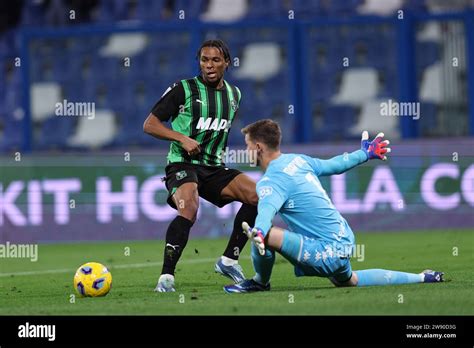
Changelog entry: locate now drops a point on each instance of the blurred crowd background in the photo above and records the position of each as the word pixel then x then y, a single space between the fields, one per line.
pixel 321 68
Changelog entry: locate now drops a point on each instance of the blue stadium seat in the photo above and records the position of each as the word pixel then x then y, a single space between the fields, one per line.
pixel 106 68
pixel 59 67
pixel 236 139
pixel 266 9
pixel 346 7
pixel 74 90
pixel 110 11
pixel 149 10
pixel 167 62
pixel 36 69
pixel 13 95
pixel 192 8
pixel 66 68
pixel 253 111
pixel 44 68
pixel 336 120
pixel 122 138
pixel 247 90
pixel 307 9
pixel 173 40
pixel 323 85
pixel 55 13
pixel 13 133
pixel 78 47
pixel 326 53
pixel 114 94
pixel 3 92
pixel 54 133
pixel 381 54
pixel 90 89
pixel 427 53
pixel 327 33
pixel 109 94
pixel 370 51
pixel 238 39
pixel 154 89
pixel 288 124
pixel 428 121
pixel 276 88
pixel 9 44
pixel 137 68
pixel 389 83
pixel 131 129
pixel 33 13
pixel 415 5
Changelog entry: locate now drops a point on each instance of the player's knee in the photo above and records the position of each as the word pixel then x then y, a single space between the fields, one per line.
pixel 186 200
pixel 188 209
pixel 188 206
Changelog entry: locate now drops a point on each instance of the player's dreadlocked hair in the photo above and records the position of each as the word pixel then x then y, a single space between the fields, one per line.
pixel 220 45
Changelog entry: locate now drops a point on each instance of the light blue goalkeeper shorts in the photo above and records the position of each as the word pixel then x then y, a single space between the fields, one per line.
pixel 312 257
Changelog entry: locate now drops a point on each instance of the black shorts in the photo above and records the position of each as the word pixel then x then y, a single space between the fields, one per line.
pixel 210 180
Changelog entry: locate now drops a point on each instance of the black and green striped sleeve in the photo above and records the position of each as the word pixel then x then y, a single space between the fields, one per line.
pixel 169 104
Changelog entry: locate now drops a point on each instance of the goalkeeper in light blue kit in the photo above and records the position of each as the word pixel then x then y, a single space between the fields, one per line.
pixel 319 241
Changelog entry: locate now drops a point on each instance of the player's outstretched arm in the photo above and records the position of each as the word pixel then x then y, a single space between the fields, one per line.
pixel 375 149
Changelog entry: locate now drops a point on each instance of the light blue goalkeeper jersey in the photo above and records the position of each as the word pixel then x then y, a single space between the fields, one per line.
pixel 291 187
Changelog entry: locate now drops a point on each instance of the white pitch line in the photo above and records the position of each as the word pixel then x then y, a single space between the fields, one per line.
pixel 48 271
pixel 132 265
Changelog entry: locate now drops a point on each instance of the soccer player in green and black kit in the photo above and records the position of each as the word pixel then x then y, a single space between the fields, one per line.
pixel 201 110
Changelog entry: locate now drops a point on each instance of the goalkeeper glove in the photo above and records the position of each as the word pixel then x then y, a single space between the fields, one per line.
pixel 375 148
pixel 255 234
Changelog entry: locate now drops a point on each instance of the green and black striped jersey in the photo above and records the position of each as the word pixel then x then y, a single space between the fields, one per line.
pixel 202 113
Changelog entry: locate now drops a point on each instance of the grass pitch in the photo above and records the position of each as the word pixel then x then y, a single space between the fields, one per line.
pixel 45 287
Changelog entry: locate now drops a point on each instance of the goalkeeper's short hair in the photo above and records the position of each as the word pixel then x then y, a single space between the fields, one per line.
pixel 266 131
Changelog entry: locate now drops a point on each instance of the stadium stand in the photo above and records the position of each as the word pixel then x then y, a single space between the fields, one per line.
pixel 92 68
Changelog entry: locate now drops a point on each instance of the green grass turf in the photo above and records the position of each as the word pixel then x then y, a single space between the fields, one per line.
pixel 132 292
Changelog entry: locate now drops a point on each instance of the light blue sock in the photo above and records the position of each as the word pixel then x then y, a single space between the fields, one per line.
pixel 263 265
pixel 368 277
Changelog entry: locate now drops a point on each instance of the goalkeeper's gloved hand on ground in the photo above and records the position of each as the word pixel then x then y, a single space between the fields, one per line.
pixel 375 148
pixel 255 234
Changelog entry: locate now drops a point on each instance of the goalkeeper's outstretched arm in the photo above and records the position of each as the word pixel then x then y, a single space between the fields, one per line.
pixel 369 150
